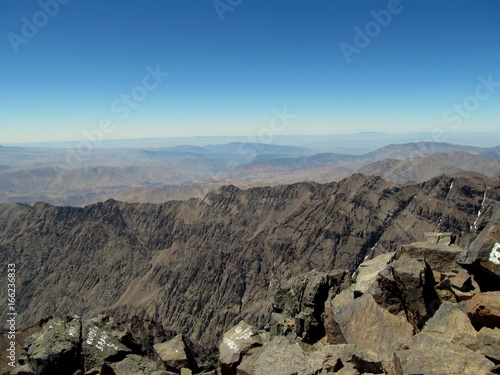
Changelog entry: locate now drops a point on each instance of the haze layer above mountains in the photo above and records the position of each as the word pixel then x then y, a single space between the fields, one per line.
pixel 154 175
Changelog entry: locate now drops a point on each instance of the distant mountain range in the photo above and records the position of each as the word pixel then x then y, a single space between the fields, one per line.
pixel 181 172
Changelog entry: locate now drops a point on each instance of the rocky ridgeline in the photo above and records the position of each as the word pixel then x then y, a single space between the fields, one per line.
pixel 429 308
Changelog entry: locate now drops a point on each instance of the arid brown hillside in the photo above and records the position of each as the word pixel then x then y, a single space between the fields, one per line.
pixel 200 265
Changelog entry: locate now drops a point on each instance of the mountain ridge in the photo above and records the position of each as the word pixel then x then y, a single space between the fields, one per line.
pixel 200 265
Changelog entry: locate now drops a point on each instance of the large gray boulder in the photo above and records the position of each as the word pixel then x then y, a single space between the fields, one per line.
pixel 302 300
pixel 279 357
pixel 55 349
pixel 368 271
pixel 415 284
pixel 482 256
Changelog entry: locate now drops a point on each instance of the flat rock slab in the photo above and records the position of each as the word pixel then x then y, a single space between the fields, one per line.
pixel 440 257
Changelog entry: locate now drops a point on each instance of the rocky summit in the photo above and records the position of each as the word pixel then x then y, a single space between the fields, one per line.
pixel 299 279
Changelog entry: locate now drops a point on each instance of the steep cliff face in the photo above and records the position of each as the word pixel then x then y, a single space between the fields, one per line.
pixel 200 265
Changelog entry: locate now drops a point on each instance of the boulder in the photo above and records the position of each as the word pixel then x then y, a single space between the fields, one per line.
pixel 484 310
pixel 371 328
pixel 431 354
pixel 462 281
pixel 100 345
pixel 333 332
pixel 415 284
pixel 302 298
pixel 279 357
pixel 441 257
pixel 482 256
pixel 54 349
pixel 132 364
pixel 175 354
pixel 332 358
pixel 443 238
pixel 368 271
pixel 490 343
pixel 235 343
pixel 386 293
pixel 453 325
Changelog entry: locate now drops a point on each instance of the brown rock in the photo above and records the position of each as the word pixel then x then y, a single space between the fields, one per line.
pixel 453 325
pixel 132 364
pixel 175 354
pixel 386 293
pixel 430 354
pixel 371 328
pixel 484 310
pixel 303 297
pixel 490 340
pixel 279 357
pixel 461 281
pixel 235 343
pixel 333 332
pixel 441 257
pixel 415 284
pixel 368 271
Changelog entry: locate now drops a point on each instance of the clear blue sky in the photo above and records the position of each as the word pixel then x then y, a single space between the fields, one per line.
pixel 226 76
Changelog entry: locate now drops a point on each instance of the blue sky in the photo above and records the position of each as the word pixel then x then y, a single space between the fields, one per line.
pixel 230 68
